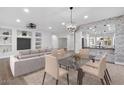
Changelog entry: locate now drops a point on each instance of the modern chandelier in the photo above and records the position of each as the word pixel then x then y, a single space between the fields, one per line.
pixel 71 27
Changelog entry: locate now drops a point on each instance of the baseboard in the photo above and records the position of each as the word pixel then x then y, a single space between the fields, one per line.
pixel 111 62
pixel 119 63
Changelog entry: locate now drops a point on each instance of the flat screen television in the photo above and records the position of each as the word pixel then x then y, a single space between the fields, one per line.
pixel 23 43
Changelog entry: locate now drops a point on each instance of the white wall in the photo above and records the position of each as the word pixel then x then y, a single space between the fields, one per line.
pixel 78 41
pixel 33 40
pixel 46 40
pixel 70 42
pixel 14 41
pixel 54 41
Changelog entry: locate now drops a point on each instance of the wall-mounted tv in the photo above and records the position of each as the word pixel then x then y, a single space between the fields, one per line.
pixel 23 43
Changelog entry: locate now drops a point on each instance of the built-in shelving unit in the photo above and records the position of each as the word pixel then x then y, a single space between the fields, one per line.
pixel 5 41
pixel 9 37
pixel 38 40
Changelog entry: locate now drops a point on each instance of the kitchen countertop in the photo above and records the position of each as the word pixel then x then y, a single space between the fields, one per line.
pixel 99 48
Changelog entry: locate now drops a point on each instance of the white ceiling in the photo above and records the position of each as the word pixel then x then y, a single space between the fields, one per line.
pixel 54 16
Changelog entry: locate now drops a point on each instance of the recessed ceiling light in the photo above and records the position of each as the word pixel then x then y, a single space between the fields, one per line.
pixel 63 23
pixel 90 28
pixel 18 20
pixel 108 25
pixel 26 10
pixel 85 17
pixel 50 27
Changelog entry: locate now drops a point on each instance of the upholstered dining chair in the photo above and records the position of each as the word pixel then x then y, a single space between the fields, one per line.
pixel 58 53
pixel 61 50
pixel 98 72
pixel 96 65
pixel 52 68
pixel 54 52
pixel 84 53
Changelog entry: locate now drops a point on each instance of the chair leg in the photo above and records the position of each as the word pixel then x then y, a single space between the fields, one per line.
pixel 60 65
pixel 102 81
pixel 68 79
pixel 56 82
pixel 67 68
pixel 106 78
pixel 44 78
pixel 108 74
pixel 80 76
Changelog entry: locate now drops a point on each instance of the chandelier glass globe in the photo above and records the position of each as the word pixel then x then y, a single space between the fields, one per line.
pixel 71 27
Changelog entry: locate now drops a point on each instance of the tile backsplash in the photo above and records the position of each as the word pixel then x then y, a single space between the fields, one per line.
pixel 111 26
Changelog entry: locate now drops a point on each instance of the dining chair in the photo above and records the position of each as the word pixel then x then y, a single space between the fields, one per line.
pixel 52 68
pixel 58 53
pixel 98 72
pixel 96 65
pixel 54 51
pixel 61 51
pixel 84 53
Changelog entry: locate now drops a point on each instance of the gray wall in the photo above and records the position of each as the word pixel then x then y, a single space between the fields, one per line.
pixel 119 42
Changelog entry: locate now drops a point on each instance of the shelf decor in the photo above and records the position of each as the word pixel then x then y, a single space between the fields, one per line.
pixel 24 33
pixel 5 41
pixel 5 33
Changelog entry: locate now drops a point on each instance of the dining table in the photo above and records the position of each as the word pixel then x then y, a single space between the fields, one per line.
pixel 68 62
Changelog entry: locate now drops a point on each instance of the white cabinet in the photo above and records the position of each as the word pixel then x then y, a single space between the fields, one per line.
pixel 38 40
pixel 8 40
pixel 5 41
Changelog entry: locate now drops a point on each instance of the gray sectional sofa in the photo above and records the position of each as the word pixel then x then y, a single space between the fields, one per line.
pixel 27 61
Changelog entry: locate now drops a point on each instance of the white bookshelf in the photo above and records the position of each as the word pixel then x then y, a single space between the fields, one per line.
pixel 24 37
pixel 5 44
pixel 9 45
pixel 5 41
pixel 38 40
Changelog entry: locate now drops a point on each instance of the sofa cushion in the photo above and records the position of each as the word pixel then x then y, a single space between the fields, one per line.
pixel 24 52
pixel 35 51
pixel 37 54
pixel 27 56
pixel 18 56
pixel 42 50
pixel 30 55
pixel 24 56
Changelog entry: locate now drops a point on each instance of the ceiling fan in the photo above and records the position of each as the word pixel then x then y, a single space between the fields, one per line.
pixel 31 26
